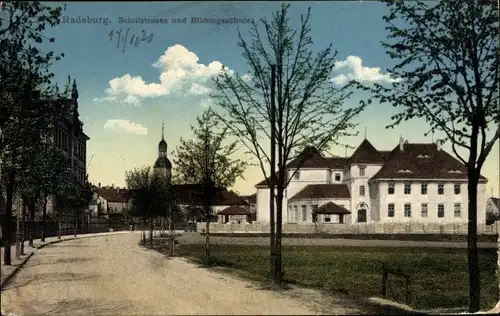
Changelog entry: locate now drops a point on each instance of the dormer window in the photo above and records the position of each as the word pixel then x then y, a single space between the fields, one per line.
pixel 423 156
pixel 405 171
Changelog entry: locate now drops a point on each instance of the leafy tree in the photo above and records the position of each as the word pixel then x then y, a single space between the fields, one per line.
pixel 207 160
pixel 309 109
pixel 447 70
pixel 191 154
pixel 24 69
pixel 150 196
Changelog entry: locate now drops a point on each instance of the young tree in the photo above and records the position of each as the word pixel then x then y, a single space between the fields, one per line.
pixel 309 109
pixel 23 68
pixel 447 65
pixel 208 160
pixel 149 193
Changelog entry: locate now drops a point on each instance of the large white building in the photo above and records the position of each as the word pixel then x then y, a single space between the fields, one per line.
pixel 411 183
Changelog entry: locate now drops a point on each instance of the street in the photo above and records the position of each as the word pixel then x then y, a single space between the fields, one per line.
pixel 114 275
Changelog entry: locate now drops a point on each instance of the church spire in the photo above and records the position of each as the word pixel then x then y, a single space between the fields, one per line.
pixel 162 130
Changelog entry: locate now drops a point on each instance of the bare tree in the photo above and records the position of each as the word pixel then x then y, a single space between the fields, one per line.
pixel 309 111
pixel 447 71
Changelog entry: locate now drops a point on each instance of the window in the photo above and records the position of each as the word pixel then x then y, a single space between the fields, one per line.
pixel 407 210
pixel 290 214
pixel 390 189
pixel 327 219
pixel 440 210
pixel 337 176
pixel 423 188
pixel 304 213
pixel 296 176
pixel 390 210
pixel 457 210
pixel 424 210
pixel 362 190
pixel 440 189
pixel 296 213
pixel 362 171
pixel 407 188
pixel 456 188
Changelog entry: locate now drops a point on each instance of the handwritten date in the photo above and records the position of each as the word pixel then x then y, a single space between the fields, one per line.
pixel 123 38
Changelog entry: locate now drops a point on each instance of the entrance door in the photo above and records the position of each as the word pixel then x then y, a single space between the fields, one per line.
pixel 362 216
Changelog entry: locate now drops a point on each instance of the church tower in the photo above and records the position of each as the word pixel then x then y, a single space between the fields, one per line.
pixel 162 163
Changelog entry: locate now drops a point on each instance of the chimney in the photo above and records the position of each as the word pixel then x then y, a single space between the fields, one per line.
pixel 99 185
pixel 401 144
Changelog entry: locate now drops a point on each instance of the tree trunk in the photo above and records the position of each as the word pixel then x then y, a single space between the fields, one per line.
pixel 32 221
pixel 7 260
pixel 23 225
pixel 207 238
pixel 59 233
pixel 472 253
pixel 44 220
pixel 171 239
pixel 151 232
pixel 76 225
pixel 278 279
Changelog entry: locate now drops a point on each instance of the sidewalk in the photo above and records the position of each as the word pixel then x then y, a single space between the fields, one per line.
pixel 7 272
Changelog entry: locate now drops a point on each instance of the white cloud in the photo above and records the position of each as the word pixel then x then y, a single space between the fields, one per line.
pixel 125 127
pixel 105 99
pixel 198 89
pixel 353 69
pixel 206 103
pixel 180 72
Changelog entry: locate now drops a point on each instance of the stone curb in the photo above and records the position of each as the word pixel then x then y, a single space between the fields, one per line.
pixel 9 277
pixel 388 307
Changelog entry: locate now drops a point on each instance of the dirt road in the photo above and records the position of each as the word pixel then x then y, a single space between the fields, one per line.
pixel 114 276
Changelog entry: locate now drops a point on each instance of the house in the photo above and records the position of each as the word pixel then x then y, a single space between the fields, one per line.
pixel 252 205
pixel 111 200
pixel 410 183
pixel 493 206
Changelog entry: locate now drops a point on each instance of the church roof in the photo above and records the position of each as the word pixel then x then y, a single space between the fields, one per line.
pixel 163 162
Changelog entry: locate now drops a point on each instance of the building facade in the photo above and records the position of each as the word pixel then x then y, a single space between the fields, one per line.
pixel 411 183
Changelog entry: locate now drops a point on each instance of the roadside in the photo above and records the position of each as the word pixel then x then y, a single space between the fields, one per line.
pixel 197 238
pixel 7 272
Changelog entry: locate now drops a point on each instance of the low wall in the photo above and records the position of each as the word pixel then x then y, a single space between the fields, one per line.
pixel 374 228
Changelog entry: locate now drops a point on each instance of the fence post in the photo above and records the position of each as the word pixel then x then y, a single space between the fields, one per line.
pixel 385 277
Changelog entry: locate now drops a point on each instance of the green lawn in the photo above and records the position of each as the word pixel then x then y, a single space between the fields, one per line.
pixel 438 276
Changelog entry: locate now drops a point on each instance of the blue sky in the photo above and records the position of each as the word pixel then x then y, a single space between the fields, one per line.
pixel 122 113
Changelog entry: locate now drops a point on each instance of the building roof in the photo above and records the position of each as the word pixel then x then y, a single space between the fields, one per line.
pixel 234 210
pixel 365 153
pixel 322 191
pixel 187 194
pixel 421 161
pixel 496 202
pixel 332 208
pixel 251 199
pixel 416 161
pixel 114 195
pixel 162 162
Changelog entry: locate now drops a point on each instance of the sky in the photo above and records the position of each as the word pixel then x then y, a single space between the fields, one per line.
pixel 127 90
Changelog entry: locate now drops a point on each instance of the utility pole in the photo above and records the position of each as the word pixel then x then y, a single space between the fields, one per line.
pixel 272 187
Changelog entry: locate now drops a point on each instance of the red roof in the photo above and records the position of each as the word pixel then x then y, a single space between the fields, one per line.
pixel 421 161
pixel 365 153
pixel 322 191
pixel 187 194
pixel 114 195
pixel 234 210
pixel 332 208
